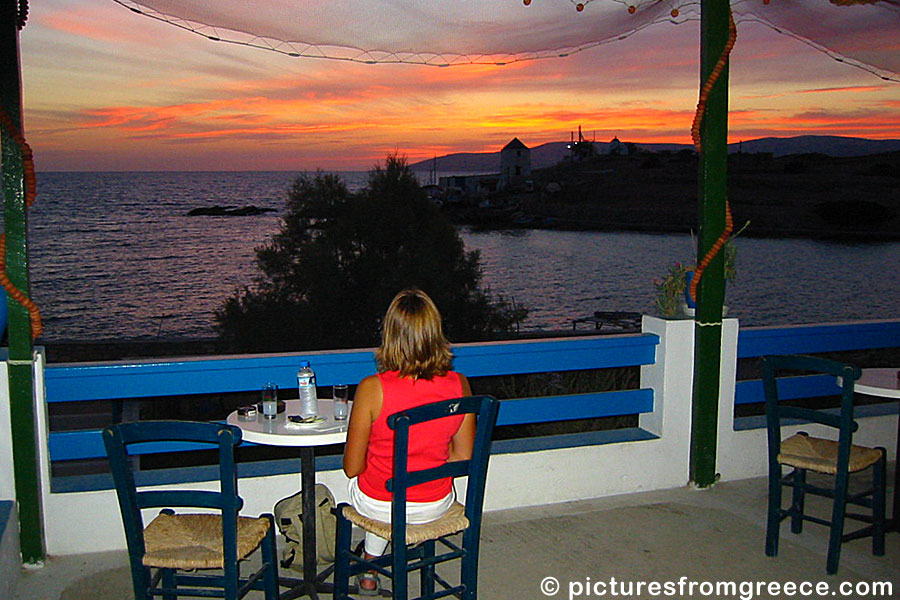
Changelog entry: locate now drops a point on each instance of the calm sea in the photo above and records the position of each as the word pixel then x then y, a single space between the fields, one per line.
pixel 114 255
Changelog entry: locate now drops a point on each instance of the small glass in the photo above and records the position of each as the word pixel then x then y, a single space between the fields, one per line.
pixel 341 395
pixel 270 401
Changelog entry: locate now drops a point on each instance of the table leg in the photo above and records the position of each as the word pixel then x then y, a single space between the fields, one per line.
pixel 308 483
pixel 893 524
pixel 308 586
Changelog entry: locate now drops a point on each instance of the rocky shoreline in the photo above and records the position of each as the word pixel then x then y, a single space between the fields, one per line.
pixel 799 196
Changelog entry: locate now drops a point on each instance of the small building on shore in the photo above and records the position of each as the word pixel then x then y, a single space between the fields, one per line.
pixel 515 163
pixel 515 172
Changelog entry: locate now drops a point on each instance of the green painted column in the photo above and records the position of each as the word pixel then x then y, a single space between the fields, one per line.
pixel 714 31
pixel 21 380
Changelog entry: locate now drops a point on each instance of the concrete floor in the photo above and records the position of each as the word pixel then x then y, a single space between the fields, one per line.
pixel 705 536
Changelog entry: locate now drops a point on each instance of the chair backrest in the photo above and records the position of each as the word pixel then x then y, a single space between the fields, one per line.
pixel 843 421
pixel 118 438
pixel 485 408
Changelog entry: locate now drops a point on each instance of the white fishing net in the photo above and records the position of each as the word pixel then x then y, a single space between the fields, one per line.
pixel 865 33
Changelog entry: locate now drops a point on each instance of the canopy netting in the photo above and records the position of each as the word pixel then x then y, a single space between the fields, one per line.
pixel 865 33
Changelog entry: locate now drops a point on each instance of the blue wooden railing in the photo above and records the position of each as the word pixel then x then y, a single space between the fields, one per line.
pixel 809 339
pixel 152 378
pixel 209 375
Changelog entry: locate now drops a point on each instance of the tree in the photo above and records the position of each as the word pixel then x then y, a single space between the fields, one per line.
pixel 328 275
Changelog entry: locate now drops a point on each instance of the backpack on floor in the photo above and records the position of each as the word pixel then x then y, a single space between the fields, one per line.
pixel 289 519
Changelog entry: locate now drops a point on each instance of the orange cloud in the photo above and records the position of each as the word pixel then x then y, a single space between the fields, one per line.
pixel 853 89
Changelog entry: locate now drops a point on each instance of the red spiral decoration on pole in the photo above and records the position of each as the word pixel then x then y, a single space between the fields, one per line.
pixel 30 192
pixel 698 142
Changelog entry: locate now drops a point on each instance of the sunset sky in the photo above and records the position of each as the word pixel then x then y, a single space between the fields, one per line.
pixel 107 89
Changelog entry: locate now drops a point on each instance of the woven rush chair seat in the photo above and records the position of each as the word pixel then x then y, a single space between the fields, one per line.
pixel 820 455
pixel 194 541
pixel 453 521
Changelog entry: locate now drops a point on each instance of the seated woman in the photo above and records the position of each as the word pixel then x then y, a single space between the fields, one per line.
pixel 414 362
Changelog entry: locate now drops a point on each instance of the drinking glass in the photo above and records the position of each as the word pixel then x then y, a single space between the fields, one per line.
pixel 341 394
pixel 270 401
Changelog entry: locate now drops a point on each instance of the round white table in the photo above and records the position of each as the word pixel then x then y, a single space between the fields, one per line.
pixel 278 432
pixel 885 382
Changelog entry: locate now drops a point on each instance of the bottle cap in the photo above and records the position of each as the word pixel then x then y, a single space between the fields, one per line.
pixel 304 363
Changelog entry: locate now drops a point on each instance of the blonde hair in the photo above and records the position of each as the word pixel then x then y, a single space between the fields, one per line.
pixel 412 338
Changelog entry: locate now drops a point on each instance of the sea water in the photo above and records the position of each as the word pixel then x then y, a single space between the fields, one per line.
pixel 115 255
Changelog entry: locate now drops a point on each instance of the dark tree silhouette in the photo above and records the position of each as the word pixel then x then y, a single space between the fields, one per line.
pixel 328 275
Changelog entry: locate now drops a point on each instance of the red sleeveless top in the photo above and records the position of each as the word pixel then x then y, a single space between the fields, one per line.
pixel 429 443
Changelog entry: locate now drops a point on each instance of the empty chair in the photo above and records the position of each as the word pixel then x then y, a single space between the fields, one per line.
pixel 172 543
pixel 836 456
pixel 419 552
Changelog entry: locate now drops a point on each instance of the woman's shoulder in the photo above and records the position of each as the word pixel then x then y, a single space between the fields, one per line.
pixel 466 390
pixel 370 381
pixel 369 395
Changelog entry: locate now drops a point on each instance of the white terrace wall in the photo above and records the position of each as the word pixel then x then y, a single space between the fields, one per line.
pixel 89 521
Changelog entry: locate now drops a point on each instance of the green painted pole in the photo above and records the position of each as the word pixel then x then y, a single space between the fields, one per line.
pixel 714 31
pixel 21 379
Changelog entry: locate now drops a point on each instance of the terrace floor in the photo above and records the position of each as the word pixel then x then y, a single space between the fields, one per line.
pixel 703 535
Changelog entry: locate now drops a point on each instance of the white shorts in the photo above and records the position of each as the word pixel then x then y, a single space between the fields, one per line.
pixel 380 510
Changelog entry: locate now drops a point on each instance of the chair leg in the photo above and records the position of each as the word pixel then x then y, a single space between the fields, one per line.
pixel 232 574
pixel 773 523
pixel 140 580
pixel 426 574
pixel 837 523
pixel 343 530
pixel 879 494
pixel 798 501
pixel 469 573
pixel 399 571
pixel 168 581
pixel 270 558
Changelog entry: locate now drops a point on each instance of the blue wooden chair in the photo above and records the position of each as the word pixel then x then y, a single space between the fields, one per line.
pixel 176 542
pixel 419 552
pixel 836 457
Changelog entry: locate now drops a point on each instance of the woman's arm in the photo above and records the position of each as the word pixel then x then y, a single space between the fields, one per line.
pixel 366 407
pixel 464 439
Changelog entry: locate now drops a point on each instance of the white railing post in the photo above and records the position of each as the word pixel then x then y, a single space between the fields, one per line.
pixel 671 377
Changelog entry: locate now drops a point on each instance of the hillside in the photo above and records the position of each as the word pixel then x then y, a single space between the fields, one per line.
pixel 547 155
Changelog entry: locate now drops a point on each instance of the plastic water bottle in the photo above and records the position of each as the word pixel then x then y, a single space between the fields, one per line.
pixel 306 385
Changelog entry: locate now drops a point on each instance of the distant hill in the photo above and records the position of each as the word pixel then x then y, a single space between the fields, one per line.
pixel 549 154
pixel 830 145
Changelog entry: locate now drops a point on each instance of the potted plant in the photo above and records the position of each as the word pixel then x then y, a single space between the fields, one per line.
pixel 672 294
